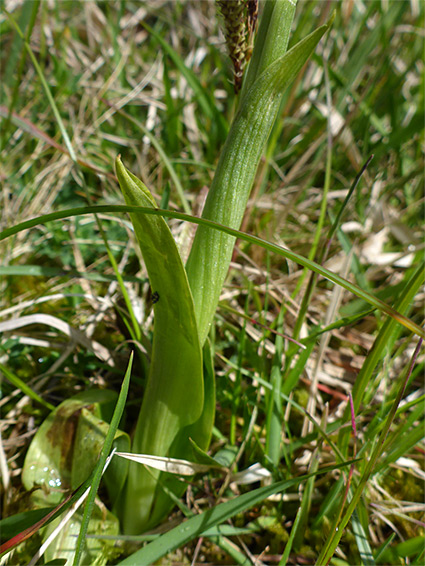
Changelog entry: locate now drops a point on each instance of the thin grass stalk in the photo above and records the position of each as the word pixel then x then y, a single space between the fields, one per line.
pixel 383 341
pixel 274 408
pixel 113 427
pixel 336 534
pixel 18 79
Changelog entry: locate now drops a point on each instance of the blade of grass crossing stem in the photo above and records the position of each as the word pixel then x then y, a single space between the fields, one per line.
pixel 26 390
pixel 336 533
pixel 228 196
pixel 198 524
pixel 174 397
pixel 73 156
pixel 288 254
pixel 115 421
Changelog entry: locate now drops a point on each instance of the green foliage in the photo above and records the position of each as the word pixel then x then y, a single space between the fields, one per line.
pixel 174 395
pixel 82 83
pixel 66 448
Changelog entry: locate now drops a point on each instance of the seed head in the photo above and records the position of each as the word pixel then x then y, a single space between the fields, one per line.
pixel 239 19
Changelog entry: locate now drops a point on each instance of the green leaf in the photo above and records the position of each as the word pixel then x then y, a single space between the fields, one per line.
pixel 106 448
pixel 97 551
pixel 209 259
pixel 197 525
pixel 66 447
pixel 174 396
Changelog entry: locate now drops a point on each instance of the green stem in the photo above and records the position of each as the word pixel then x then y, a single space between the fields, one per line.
pixel 273 70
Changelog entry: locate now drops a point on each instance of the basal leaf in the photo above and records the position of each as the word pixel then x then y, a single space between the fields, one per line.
pixel 174 396
pixel 97 552
pixel 66 447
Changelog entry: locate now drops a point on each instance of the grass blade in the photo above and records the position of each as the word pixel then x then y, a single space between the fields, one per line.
pixel 119 409
pixel 198 524
pixel 26 390
pixel 297 258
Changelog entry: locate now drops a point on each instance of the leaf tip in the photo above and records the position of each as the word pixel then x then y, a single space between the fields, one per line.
pixel 331 19
pixel 118 162
pixel 120 170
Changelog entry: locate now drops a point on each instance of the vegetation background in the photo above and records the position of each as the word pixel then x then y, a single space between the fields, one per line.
pixel 167 114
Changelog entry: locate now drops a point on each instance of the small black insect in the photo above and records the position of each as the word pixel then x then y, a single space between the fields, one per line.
pixel 155 297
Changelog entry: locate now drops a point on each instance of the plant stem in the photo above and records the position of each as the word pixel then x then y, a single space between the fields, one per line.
pixel 211 252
